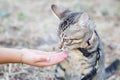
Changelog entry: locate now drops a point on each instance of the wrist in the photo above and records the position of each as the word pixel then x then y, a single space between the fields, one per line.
pixel 17 56
pixel 21 57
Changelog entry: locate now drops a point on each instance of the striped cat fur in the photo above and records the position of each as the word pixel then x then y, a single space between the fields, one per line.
pixel 78 37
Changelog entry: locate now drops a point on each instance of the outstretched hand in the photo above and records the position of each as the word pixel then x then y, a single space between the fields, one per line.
pixel 40 58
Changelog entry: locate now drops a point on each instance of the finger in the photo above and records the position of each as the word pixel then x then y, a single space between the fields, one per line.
pixel 44 53
pixel 51 58
pixel 60 55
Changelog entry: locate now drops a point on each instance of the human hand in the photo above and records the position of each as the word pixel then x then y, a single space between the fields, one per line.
pixel 40 58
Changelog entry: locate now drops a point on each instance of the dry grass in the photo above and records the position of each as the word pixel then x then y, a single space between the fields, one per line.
pixel 31 24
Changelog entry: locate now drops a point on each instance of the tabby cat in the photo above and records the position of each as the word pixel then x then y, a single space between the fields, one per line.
pixel 80 40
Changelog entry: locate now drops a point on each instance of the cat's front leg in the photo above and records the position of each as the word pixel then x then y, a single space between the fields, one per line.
pixel 59 73
pixel 59 78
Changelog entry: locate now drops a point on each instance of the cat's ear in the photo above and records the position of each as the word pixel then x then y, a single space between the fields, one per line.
pixel 59 11
pixel 83 20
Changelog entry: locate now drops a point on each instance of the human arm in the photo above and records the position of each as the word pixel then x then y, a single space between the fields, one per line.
pixel 30 56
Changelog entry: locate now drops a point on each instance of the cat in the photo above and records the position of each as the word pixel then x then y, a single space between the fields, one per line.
pixel 78 37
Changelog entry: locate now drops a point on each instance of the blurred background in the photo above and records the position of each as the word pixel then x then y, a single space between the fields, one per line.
pixel 31 24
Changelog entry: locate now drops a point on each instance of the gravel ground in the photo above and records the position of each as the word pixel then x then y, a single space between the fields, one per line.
pixel 31 24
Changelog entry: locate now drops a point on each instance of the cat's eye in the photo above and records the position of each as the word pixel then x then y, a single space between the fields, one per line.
pixel 68 41
pixel 74 39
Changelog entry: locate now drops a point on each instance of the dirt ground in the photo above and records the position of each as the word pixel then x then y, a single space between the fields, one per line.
pixel 31 24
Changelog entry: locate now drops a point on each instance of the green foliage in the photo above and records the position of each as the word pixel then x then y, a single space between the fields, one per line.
pixel 1 29
pixel 21 16
pixel 3 13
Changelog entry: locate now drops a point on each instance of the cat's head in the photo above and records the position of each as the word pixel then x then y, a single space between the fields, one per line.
pixel 75 28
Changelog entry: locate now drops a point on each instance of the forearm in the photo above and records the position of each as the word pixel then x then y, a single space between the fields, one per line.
pixel 9 55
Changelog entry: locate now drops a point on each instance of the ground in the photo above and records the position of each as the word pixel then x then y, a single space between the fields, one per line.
pixel 31 24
